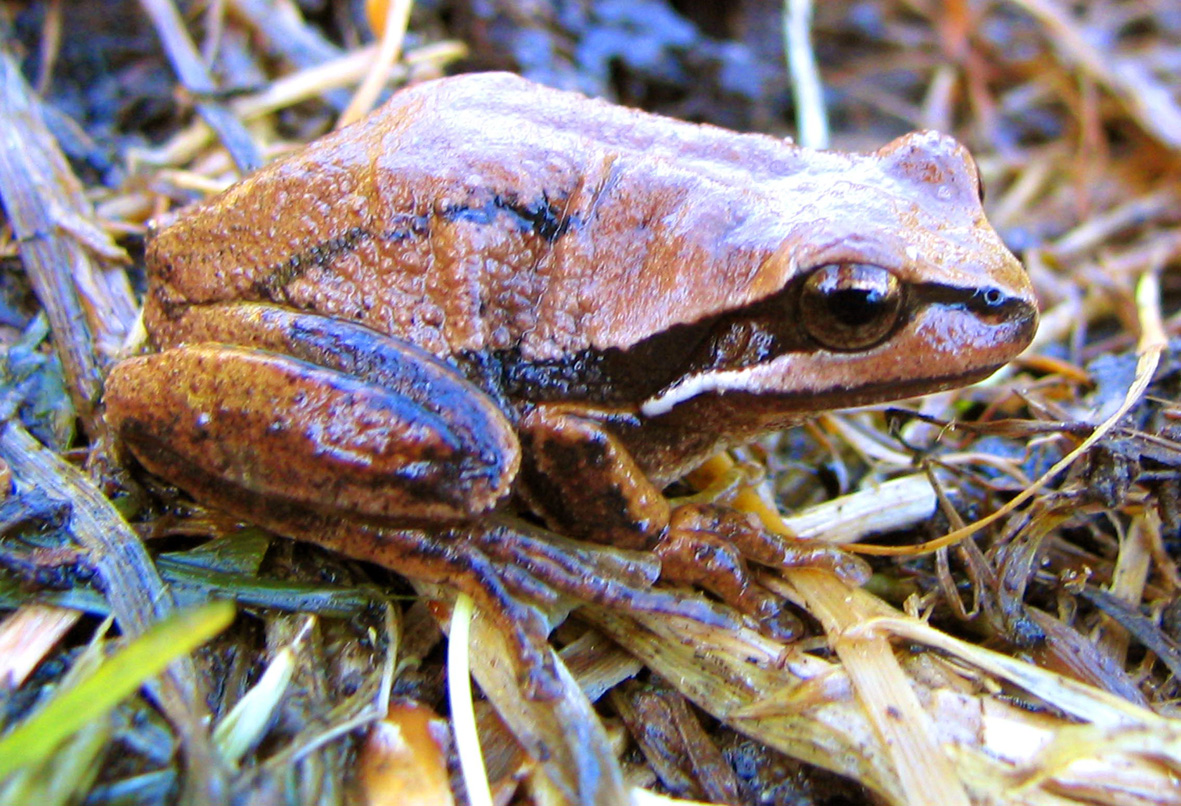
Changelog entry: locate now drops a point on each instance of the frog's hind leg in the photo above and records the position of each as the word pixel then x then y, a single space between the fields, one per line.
pixel 318 412
pixel 514 600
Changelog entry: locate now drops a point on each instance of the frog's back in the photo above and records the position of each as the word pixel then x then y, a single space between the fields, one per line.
pixel 488 216
pixel 505 120
pixel 482 213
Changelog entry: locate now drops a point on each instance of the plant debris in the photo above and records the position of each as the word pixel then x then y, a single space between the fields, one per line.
pixel 1019 640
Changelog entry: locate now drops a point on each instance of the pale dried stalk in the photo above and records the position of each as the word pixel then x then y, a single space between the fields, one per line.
pixel 397 17
pixel 905 731
pixel 575 761
pixel 463 715
pixel 884 507
pixel 1150 102
pixel 1129 577
pixel 295 88
pixel 88 303
pixel 811 118
pixel 1099 229
pixel 27 635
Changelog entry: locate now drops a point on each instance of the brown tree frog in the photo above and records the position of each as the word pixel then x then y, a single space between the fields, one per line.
pixel 493 295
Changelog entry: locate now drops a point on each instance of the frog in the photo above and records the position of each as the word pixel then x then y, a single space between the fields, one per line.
pixel 474 336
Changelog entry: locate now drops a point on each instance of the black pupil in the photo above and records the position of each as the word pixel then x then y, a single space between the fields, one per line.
pixel 855 306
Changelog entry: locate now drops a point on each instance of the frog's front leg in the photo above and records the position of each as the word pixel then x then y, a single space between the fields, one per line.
pixel 583 480
pixel 585 483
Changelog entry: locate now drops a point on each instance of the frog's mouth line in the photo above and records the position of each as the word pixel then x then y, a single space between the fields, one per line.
pixel 819 399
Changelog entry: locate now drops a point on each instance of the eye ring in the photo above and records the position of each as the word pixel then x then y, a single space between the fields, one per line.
pixel 851 306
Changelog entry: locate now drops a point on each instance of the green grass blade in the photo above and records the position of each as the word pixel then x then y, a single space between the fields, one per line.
pixel 118 676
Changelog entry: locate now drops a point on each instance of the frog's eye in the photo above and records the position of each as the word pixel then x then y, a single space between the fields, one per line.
pixel 850 306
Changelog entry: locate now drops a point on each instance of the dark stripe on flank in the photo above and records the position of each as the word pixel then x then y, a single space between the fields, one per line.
pixel 403 226
pixel 276 278
pixel 542 218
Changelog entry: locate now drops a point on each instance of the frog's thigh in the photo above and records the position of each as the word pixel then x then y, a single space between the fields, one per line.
pixel 394 364
pixel 586 483
pixel 311 435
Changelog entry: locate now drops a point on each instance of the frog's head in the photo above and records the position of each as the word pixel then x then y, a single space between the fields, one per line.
pixel 886 282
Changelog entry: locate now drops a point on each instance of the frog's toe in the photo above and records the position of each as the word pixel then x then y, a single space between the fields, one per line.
pixel 588 573
pixel 781 625
pixel 748 537
pixel 849 567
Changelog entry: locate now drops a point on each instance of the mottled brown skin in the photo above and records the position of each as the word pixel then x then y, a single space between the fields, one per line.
pixel 489 291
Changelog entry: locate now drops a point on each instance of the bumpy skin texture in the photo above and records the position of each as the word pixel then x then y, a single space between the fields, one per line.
pixel 485 213
pixel 489 289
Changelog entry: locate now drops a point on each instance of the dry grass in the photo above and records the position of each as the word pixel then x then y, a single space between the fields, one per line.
pixel 1018 642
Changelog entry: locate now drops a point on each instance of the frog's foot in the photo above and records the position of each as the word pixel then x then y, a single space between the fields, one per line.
pixel 582 479
pixel 512 598
pixel 709 546
pixel 694 552
pixel 746 533
pixel 588 572
pixel 520 576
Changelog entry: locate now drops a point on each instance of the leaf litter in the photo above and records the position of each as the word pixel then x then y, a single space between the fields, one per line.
pixel 1018 641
